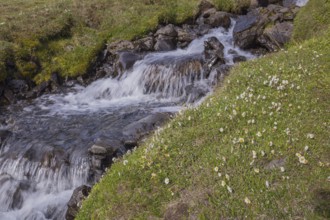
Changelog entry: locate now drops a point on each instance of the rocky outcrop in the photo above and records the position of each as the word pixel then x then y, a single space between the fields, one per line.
pixel 268 28
pixel 75 202
pixel 166 38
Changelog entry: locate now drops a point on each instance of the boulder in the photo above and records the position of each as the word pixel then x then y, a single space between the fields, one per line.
pixel 238 58
pixel 204 6
pixel 196 91
pixel 249 27
pixel 166 38
pixel 127 60
pixel 54 82
pixel 75 202
pixel 144 44
pixel 275 37
pixel 185 36
pixel 216 18
pixel 139 129
pixel 9 96
pixel 213 53
pixel 18 85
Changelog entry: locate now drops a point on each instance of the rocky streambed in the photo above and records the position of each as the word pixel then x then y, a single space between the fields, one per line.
pixel 68 134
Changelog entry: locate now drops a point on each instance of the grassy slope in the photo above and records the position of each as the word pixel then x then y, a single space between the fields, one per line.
pixel 274 106
pixel 45 36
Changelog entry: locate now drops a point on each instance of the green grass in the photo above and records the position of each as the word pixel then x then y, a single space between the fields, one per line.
pixel 65 36
pixel 273 107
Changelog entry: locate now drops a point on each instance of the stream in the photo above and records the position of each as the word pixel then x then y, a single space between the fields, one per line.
pixel 44 156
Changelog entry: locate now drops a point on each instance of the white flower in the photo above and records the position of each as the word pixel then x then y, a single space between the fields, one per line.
pixel 302 159
pixel 229 189
pixel 189 118
pixel 263 153
pixel 259 134
pixel 125 162
pixel 267 184
pixel 310 136
pixel 241 140
pixel 282 169
pixel 216 169
pixel 243 114
pixel 167 181
pixel 272 151
pixel 254 154
pixel 234 112
pixel 221 130
pixel 220 174
pixel 256 170
pixel 306 148
pixel 227 177
pixel 223 183
pixel 247 200
pixel 271 144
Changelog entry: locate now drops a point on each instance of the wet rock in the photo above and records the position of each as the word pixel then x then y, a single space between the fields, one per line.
pixel 97 150
pixel 214 55
pixel 168 30
pixel 166 38
pixel 216 18
pixel 145 44
pixel 75 202
pixel 38 90
pixel 54 82
pixel 289 3
pixel 4 134
pixel 119 46
pixel 137 130
pixel 196 92
pixel 9 96
pixel 275 37
pixel 185 36
pixel 237 59
pixel 128 59
pixel 203 29
pixel 18 85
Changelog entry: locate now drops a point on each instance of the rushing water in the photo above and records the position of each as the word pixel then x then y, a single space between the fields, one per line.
pixel 45 157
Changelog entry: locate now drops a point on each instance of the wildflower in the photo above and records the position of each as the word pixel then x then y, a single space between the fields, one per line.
pixel 221 130
pixel 282 169
pixel 263 153
pixel 189 118
pixel 153 175
pixel 234 112
pixel 223 183
pixel 273 151
pixel 219 174
pixel 310 136
pixel 167 181
pixel 230 190
pixel 256 170
pixel 227 177
pixel 243 114
pixel 241 140
pixel 259 134
pixel 306 148
pixel 271 144
pixel 125 162
pixel 254 154
pixel 302 159
pixel 267 184
pixel 216 169
pixel 247 200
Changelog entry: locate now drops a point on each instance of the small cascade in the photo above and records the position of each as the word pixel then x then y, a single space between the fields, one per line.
pixel 44 155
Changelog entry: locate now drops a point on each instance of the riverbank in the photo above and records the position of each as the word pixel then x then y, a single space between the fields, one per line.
pixel 257 148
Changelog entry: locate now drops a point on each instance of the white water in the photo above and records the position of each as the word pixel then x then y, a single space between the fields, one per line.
pixel 67 123
pixel 301 3
pixel 167 73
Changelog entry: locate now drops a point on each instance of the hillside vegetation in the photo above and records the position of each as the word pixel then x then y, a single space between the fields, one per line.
pixel 258 148
pixel 39 37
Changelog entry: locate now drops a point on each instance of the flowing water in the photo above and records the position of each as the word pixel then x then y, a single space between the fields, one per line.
pixel 44 157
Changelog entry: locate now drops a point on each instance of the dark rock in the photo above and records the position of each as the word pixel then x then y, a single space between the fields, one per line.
pixel 185 36
pixel 18 85
pixel 214 55
pixel 97 150
pixel 145 44
pixel 216 18
pixel 168 30
pixel 130 144
pixel 119 46
pixel 75 202
pixel 275 37
pixel 165 43
pixel 237 59
pixel 203 29
pixel 141 128
pixel 249 27
pixel 38 90
pixel 9 96
pixel 166 38
pixel 4 134
pixel 127 60
pixel 2 89
pixel 196 92
pixel 54 82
